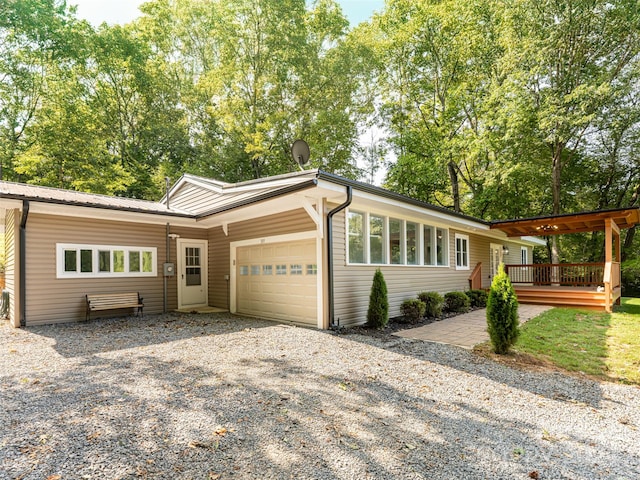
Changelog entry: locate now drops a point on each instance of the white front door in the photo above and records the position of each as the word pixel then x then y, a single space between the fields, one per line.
pixel 496 258
pixel 192 273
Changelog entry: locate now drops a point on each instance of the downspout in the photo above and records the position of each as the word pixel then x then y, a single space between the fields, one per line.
pixel 332 322
pixel 165 307
pixel 23 262
pixel 168 252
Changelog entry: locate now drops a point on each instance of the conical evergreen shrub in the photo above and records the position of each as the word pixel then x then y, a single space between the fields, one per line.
pixel 378 312
pixel 502 313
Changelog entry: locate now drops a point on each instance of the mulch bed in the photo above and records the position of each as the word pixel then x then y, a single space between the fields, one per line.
pixel 395 325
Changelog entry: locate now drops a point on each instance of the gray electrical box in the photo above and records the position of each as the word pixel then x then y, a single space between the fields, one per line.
pixel 169 269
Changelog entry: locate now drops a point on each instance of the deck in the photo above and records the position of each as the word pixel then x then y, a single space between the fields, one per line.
pixel 574 284
pixel 587 285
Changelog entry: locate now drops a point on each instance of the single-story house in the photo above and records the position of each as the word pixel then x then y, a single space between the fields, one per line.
pixel 300 247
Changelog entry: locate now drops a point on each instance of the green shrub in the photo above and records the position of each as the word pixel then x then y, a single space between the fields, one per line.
pixel 412 310
pixel 433 302
pixel 478 298
pixel 502 313
pixel 456 302
pixel 378 312
pixel 631 278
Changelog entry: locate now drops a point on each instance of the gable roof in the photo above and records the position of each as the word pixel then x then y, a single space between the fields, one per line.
pixel 217 197
pixel 209 197
pixel 227 196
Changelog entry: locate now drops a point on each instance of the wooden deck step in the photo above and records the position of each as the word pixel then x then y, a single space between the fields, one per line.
pixel 576 297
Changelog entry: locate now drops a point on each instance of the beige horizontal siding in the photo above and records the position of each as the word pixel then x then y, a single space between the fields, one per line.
pixel 219 245
pixel 53 300
pixel 353 282
pixel 192 198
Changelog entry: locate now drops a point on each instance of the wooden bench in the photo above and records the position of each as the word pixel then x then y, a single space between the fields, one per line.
pixel 113 301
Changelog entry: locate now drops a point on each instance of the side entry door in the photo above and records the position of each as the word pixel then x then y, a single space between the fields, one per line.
pixel 192 273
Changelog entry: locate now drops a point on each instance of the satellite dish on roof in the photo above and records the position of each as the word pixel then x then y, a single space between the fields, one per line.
pixel 300 153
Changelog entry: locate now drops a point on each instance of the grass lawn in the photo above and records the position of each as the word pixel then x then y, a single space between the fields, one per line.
pixel 595 343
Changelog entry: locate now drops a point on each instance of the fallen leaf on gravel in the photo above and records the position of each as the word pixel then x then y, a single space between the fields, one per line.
pixel 208 445
pixel 214 476
pixel 409 446
pixel 54 477
pixel 534 474
pixel 220 431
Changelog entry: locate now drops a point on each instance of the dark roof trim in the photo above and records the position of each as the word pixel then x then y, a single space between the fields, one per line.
pixel 260 198
pixel 365 187
pixel 93 205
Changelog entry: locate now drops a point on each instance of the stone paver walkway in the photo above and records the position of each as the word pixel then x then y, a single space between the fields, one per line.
pixel 465 330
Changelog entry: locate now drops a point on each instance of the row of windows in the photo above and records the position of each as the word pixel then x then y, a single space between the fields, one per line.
pixel 74 261
pixel 375 239
pixel 293 269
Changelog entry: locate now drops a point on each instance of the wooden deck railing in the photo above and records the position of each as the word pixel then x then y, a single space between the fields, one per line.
pixel 606 274
pixel 567 274
pixel 475 279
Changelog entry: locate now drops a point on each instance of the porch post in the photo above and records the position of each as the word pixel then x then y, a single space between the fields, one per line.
pixel 608 251
pixel 609 272
pixel 617 272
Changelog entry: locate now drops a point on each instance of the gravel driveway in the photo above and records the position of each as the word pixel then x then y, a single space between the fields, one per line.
pixel 216 396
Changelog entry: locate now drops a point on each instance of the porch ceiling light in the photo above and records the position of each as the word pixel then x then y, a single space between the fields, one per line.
pixel 547 228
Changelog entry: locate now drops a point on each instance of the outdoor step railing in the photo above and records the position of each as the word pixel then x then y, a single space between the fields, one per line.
pixel 565 274
pixel 475 279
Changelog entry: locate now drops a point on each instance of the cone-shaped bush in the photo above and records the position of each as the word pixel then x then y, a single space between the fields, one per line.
pixel 378 313
pixel 502 313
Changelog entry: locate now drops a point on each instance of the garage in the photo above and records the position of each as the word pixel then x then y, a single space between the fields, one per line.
pixel 278 281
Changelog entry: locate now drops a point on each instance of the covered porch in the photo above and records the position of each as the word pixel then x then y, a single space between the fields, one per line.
pixel 590 285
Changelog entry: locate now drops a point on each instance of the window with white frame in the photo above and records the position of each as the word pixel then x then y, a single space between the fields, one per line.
pixel 462 252
pixel 428 238
pixel 355 222
pixel 524 255
pixel 395 241
pixel 435 246
pixel 378 240
pixel 80 261
pixel 411 242
pixel 442 247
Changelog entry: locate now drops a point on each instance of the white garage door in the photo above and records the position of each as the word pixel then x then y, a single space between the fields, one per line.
pixel 278 281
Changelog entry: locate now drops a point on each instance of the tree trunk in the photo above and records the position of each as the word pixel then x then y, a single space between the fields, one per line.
pixel 628 242
pixel 556 173
pixel 455 191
